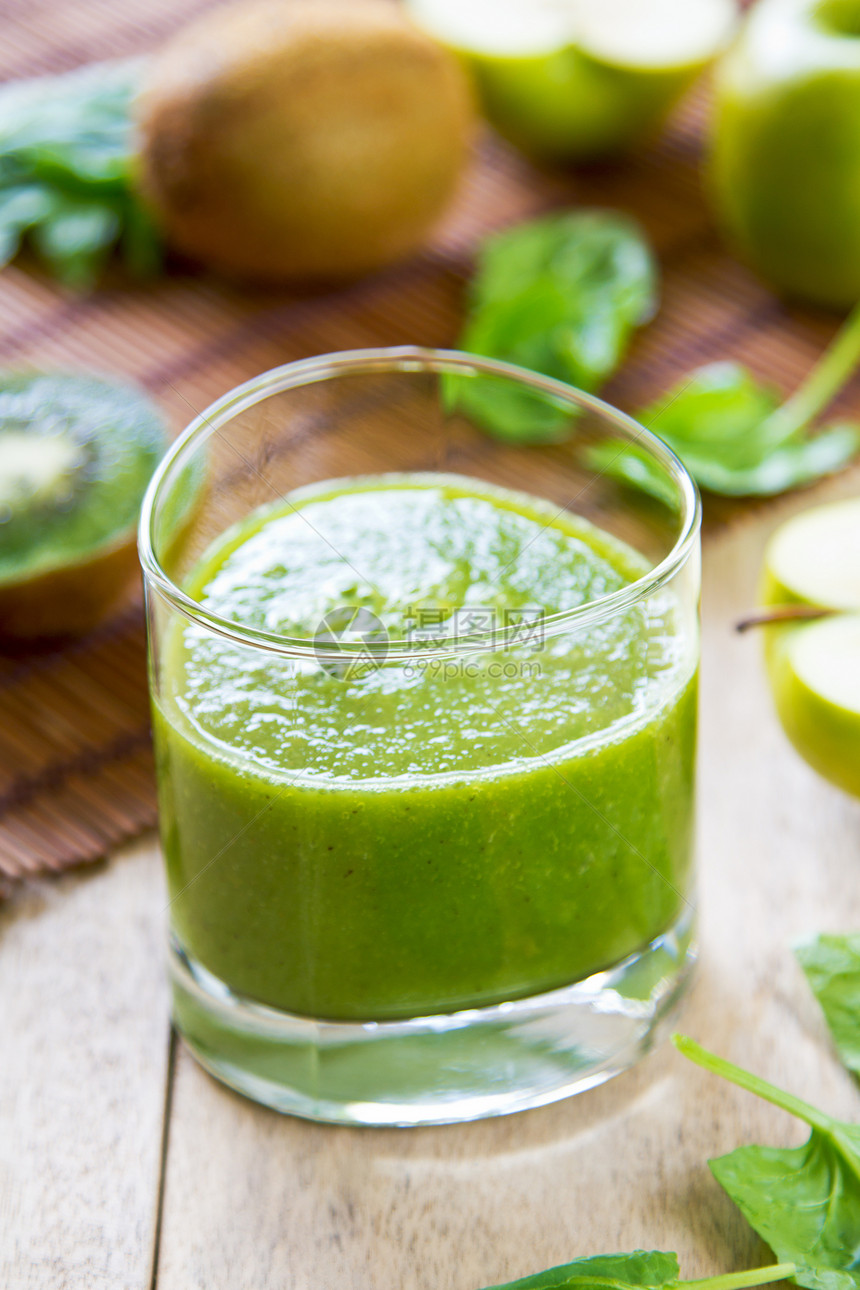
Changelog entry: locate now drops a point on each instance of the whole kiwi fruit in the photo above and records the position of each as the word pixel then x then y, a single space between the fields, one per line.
pixel 301 139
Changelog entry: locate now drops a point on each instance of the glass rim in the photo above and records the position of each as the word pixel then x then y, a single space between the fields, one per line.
pixel 399 359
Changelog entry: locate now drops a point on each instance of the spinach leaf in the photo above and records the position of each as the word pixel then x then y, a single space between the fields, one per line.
pixel 734 437
pixel 641 1270
pixel 803 1201
pixel 832 968
pixel 650 1269
pixel 560 295
pixel 66 172
pixel 713 407
pixel 631 464
pixel 790 466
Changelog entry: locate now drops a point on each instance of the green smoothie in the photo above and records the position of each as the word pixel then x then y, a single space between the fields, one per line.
pixel 408 839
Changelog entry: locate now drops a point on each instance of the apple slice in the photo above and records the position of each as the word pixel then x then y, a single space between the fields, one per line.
pixel 814 558
pixel 577 79
pixel 816 687
pixel 814 667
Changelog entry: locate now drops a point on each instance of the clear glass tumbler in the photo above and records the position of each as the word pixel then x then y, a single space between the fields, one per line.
pixel 426 784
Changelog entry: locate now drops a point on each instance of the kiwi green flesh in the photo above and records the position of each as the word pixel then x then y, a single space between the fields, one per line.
pixel 76 454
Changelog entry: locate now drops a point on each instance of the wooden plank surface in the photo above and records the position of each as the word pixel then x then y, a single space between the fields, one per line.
pixel 83 1064
pixel 256 1200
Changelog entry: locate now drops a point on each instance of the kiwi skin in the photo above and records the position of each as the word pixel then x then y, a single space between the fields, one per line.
pixel 302 139
pixel 72 600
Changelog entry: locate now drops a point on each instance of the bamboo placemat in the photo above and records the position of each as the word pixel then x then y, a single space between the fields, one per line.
pixel 76 773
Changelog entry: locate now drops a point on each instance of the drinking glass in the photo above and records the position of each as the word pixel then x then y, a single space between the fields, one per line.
pixel 505 916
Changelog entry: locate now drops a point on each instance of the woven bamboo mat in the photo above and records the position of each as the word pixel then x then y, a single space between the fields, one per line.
pixel 75 761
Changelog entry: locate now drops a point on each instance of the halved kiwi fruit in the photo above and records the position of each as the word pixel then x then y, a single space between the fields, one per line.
pixel 76 454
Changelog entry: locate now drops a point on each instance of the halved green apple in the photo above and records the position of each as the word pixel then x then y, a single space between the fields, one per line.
pixel 570 80
pixel 814 666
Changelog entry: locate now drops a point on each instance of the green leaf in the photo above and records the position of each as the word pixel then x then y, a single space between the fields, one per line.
pixel 650 1269
pixel 77 124
pixel 66 172
pixel 788 467
pixel 832 968
pixel 641 1270
pixel 20 208
pixel 719 405
pixel 633 465
pixel 512 412
pixel 140 244
pixel 593 252
pixel 75 239
pixel 560 295
pixel 803 1201
pixel 735 439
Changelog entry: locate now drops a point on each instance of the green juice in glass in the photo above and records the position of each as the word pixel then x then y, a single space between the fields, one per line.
pixel 404 840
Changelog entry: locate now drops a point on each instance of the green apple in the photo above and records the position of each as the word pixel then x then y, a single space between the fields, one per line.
pixel 570 80
pixel 814 667
pixel 785 148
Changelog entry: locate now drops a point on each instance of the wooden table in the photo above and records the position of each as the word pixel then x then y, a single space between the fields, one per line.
pixel 123 1166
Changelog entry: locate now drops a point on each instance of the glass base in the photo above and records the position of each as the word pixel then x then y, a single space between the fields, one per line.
pixel 435 1070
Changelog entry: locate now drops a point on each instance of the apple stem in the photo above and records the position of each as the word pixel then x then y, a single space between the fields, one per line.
pixel 821 386
pixel 783 614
